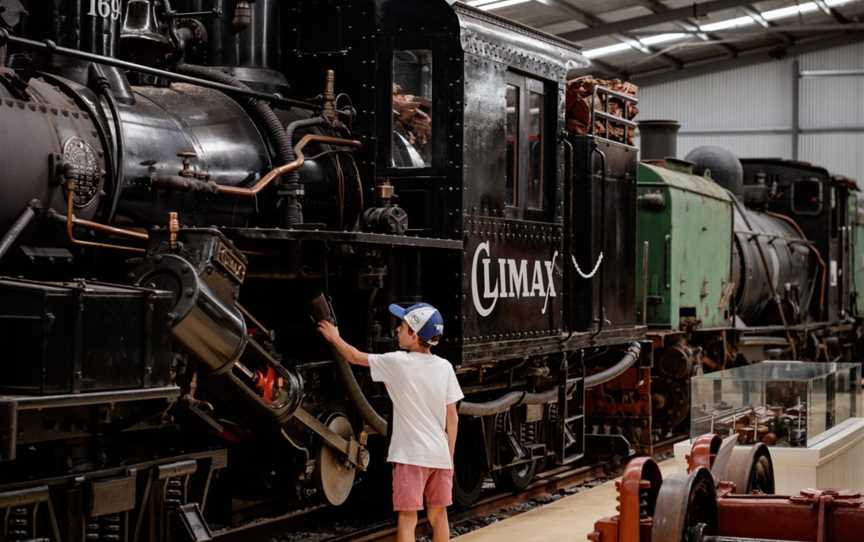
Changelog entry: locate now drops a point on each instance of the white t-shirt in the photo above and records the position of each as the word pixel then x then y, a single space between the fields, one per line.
pixel 420 386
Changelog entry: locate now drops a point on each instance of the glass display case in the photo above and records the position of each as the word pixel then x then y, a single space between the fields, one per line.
pixel 780 403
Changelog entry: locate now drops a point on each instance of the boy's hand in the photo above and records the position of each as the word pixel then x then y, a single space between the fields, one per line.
pixel 328 331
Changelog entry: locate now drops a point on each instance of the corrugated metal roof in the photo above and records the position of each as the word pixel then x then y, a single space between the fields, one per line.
pixel 639 53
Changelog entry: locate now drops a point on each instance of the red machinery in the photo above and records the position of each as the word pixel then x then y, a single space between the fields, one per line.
pixel 703 506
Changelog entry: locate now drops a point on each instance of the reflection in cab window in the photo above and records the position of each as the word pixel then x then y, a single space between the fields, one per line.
pixel 412 109
pixel 535 151
pixel 526 151
pixel 511 129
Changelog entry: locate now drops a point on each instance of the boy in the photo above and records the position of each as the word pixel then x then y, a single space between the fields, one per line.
pixel 424 391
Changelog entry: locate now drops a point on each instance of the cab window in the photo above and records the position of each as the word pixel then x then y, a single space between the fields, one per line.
pixel 411 105
pixel 534 199
pixel 511 129
pixel 525 129
pixel 807 196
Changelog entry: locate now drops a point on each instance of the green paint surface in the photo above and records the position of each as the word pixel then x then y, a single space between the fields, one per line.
pixel 689 251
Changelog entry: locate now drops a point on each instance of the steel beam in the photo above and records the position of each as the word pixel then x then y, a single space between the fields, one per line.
pixel 832 73
pixel 756 15
pixel 796 109
pixel 592 20
pixel 772 131
pixel 690 25
pixel 607 69
pixel 677 14
pixel 828 10
pixel 774 29
pixel 746 57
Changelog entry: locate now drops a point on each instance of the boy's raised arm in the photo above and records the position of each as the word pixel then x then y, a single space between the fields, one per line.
pixel 343 349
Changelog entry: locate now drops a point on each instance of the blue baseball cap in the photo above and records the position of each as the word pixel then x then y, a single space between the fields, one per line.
pixel 423 318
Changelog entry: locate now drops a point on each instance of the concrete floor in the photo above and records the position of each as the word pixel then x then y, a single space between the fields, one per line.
pixel 570 518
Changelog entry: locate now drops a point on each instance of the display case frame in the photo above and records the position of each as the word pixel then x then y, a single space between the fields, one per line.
pixel 780 403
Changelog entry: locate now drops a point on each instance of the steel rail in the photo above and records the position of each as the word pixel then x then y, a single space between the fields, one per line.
pixel 547 482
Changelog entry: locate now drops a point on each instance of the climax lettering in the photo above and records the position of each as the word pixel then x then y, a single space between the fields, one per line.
pixel 521 279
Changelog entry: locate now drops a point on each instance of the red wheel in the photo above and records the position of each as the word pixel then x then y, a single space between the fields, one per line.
pixel 686 506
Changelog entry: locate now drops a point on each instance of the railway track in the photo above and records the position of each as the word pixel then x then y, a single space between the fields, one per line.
pixel 546 483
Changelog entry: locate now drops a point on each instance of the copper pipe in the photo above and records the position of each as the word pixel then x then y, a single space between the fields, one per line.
pixel 173 228
pixel 71 222
pixel 264 181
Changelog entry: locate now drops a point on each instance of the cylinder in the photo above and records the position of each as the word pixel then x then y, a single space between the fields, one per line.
pixel 658 139
pixel 207 323
pixel 204 323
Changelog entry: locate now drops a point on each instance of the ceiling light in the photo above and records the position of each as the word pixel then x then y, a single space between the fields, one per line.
pixel 608 50
pixel 772 15
pixel 662 38
pixel 487 5
pixel 727 24
pixel 790 11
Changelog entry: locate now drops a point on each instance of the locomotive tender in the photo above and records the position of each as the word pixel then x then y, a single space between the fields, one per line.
pixel 188 182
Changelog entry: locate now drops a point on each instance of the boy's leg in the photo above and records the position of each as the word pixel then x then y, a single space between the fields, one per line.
pixel 406 527
pixel 408 484
pixel 440 525
pixel 439 495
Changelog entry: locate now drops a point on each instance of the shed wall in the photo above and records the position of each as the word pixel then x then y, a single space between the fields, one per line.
pixel 752 110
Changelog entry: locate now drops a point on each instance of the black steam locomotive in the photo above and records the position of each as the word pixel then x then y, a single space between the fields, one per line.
pixel 190 185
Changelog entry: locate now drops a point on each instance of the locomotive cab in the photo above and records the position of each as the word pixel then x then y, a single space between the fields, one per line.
pixel 818 203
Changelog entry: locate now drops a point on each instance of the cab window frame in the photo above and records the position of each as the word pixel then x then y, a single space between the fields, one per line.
pixel 525 204
pixel 388 45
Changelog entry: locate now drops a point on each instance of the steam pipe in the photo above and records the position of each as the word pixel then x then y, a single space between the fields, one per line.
pixel 490 408
pixel 358 398
pixel 509 400
pixel 321 310
pixel 71 221
pixel 631 356
pixel 262 183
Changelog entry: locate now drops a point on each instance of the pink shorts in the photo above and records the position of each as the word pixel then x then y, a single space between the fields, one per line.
pixel 411 483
